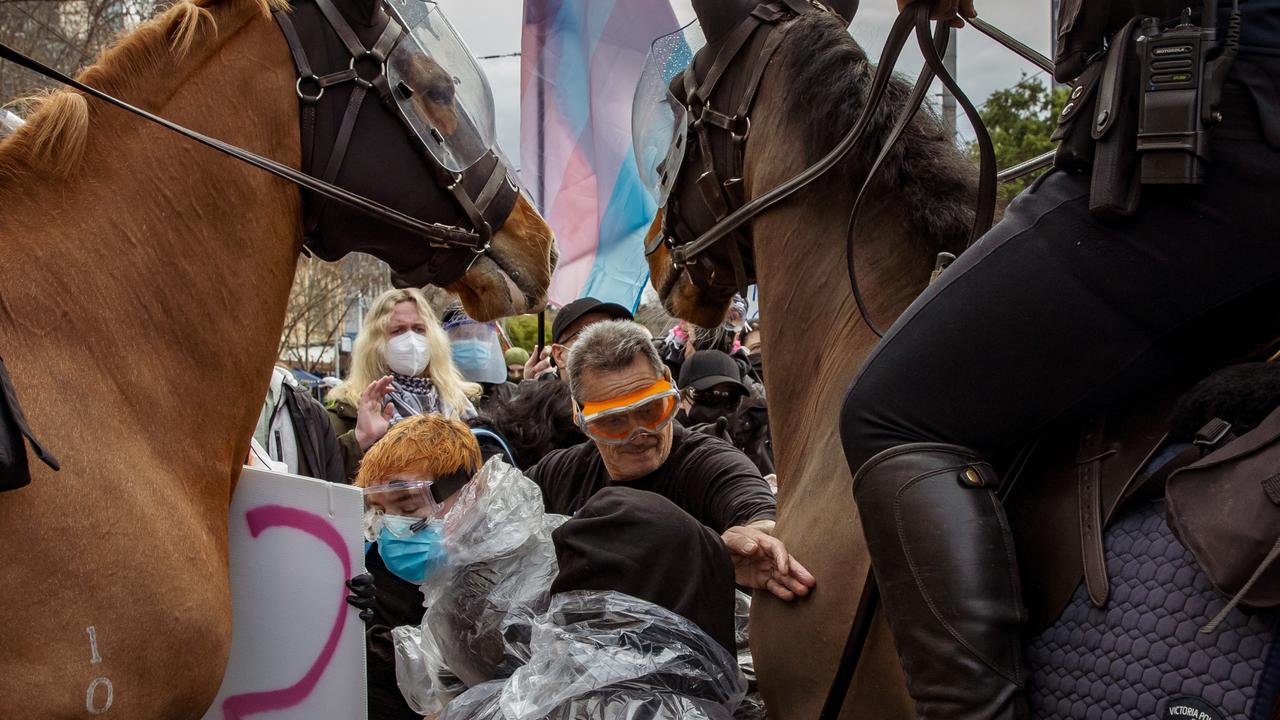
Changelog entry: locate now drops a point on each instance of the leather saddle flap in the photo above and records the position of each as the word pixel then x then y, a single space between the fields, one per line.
pixel 1226 510
pixel 14 433
pixel 1044 505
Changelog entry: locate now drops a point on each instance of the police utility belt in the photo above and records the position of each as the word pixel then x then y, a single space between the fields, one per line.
pixel 1148 88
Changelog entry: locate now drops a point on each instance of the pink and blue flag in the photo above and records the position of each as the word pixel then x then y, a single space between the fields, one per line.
pixel 580 63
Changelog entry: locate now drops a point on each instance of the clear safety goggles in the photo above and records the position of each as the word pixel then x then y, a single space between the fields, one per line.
pixel 439 87
pixel 9 123
pixel 620 420
pixel 401 498
pixel 660 122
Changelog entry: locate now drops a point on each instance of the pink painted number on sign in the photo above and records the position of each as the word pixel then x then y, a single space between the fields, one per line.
pixel 260 519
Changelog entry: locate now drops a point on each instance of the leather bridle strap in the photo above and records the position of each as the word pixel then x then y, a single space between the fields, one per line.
pixel 386 41
pixel 898 35
pixel 984 211
pixel 445 235
pixel 914 16
pixel 708 182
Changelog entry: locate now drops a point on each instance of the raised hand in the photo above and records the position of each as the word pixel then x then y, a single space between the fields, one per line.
pixel 538 363
pixel 373 412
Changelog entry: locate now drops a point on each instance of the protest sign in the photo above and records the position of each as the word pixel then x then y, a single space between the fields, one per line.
pixel 297 648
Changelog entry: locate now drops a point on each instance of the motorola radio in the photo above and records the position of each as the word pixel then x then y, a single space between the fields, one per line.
pixel 1183 70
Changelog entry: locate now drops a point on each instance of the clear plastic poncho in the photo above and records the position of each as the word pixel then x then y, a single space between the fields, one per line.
pixel 607 655
pixel 499 567
pixel 752 707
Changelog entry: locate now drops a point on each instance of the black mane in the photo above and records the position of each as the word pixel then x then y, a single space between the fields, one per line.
pixel 828 77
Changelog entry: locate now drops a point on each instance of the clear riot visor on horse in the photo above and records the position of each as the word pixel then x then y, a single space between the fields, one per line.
pixel 660 122
pixel 438 86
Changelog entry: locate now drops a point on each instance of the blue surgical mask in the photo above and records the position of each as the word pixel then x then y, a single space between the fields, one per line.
pixel 471 354
pixel 411 556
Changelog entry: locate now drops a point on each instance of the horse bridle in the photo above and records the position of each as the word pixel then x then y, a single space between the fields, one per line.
pixel 484 191
pixel 689 230
pixel 717 145
pixel 483 205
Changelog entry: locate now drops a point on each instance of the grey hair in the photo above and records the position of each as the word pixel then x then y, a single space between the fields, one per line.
pixel 607 346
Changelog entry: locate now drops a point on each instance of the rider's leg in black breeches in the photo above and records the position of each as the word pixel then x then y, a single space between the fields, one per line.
pixel 1049 316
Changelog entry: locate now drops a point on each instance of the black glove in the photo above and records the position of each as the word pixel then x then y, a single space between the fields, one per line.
pixel 362 595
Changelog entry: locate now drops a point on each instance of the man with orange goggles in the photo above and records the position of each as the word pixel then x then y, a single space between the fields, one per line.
pixel 626 403
pixel 618 421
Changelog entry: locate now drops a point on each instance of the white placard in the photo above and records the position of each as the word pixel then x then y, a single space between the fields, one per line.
pixel 753 303
pixel 297 648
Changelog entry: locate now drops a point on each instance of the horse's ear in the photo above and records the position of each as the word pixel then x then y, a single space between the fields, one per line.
pixel 362 13
pixel 717 17
pixel 845 8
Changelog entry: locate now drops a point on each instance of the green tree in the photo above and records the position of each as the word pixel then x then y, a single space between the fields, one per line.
pixel 522 330
pixel 1020 120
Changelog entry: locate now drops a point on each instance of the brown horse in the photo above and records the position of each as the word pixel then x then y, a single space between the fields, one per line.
pixel 143 281
pixel 811 93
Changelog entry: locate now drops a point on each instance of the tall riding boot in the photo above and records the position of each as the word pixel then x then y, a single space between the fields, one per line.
pixel 944 561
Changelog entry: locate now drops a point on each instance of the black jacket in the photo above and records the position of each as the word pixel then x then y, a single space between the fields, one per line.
pixel 398 603
pixel 319 455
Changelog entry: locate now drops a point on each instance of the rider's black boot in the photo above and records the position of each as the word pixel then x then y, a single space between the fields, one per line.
pixel 944 561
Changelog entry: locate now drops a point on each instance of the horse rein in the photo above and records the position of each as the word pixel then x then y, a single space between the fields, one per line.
pixel 686 255
pixel 689 256
pixel 439 235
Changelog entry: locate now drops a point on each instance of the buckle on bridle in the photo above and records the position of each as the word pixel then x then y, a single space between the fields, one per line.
pixel 376 57
pixel 310 79
pixel 739 121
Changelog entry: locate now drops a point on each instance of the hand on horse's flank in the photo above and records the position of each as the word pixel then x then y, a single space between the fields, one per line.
pixel 956 10
pixel 760 560
pixel 373 412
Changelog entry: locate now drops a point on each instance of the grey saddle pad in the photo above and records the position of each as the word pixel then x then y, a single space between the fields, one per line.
pixel 1143 651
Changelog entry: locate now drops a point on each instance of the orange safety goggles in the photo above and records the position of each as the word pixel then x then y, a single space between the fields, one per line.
pixel 617 421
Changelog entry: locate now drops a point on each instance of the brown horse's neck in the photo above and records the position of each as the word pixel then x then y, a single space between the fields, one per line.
pixel 800 254
pixel 814 342
pixel 146 289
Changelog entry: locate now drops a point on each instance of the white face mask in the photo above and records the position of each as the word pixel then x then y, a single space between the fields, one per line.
pixel 407 353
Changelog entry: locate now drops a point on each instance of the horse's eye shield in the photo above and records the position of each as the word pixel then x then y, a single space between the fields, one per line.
pixel 659 120
pixel 438 86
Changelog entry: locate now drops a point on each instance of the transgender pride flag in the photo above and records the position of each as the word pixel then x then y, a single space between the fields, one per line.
pixel 580 63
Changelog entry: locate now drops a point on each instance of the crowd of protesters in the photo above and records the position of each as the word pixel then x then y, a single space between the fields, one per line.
pixel 655 449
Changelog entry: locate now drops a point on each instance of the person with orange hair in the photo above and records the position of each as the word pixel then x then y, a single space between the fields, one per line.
pixel 464 551
pixel 410 479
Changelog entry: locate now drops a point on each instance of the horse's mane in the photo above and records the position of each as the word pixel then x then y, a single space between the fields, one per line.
pixel 57 126
pixel 828 76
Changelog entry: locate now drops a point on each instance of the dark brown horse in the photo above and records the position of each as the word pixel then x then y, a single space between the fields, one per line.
pixel 811 93
pixel 143 281
pixel 815 338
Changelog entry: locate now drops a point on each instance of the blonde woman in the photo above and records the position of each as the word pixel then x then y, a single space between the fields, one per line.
pixel 401 366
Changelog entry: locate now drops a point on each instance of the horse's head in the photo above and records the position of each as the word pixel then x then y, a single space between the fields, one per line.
pixel 701 304
pixel 422 144
pixel 707 98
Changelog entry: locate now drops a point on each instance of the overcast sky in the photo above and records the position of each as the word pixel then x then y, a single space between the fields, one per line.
pixel 492 27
